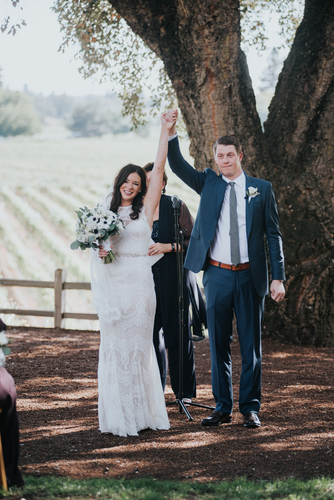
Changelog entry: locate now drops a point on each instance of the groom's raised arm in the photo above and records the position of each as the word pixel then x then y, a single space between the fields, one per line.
pixel 182 168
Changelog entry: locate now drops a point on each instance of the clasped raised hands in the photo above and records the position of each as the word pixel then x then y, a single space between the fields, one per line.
pixel 168 119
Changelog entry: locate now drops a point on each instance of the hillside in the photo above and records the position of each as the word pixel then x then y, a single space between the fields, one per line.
pixel 44 180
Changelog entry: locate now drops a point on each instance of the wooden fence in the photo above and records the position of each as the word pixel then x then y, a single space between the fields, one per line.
pixel 60 285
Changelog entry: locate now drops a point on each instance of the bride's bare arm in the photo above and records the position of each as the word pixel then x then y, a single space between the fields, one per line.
pixel 152 198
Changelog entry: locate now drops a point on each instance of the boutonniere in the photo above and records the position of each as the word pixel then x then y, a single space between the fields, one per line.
pixel 251 193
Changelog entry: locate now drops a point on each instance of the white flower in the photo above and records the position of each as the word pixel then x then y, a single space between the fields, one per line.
pixel 2 358
pixel 83 236
pixel 91 223
pixel 3 339
pixel 111 216
pixel 87 235
pixel 80 235
pixel 103 224
pixel 251 193
pixel 100 211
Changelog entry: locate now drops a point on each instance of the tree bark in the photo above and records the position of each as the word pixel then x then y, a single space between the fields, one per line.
pixel 300 137
pixel 199 44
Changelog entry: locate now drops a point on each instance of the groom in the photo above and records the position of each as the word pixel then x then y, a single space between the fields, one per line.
pixel 236 213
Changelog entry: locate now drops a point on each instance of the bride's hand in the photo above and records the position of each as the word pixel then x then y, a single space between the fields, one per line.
pixel 103 252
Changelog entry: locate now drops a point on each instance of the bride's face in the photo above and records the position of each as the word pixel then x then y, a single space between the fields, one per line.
pixel 130 188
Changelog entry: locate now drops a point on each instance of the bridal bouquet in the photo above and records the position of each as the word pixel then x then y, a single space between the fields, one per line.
pixel 93 228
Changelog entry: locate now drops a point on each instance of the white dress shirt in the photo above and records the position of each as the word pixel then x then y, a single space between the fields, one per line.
pixel 220 248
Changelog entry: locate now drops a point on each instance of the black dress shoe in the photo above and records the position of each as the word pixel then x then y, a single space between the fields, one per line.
pixel 251 419
pixel 217 418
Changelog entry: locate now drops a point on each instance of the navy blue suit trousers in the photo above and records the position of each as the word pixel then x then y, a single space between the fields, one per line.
pixel 227 293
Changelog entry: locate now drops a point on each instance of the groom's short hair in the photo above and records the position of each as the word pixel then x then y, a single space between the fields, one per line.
pixel 227 140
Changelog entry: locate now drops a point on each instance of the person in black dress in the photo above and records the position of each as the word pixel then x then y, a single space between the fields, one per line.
pixel 166 324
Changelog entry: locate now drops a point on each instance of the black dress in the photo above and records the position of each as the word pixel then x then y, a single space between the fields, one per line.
pixel 166 317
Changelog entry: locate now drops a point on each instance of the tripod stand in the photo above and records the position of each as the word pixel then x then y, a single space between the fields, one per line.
pixel 179 238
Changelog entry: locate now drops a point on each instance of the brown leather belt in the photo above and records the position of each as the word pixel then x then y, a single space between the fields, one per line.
pixel 239 267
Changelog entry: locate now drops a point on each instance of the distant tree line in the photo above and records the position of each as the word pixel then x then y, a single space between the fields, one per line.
pixel 88 116
pixel 17 114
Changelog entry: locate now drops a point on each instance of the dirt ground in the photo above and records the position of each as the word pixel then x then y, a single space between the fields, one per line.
pixel 56 377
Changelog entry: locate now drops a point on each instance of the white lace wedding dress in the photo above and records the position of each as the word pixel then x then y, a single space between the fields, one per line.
pixel 130 392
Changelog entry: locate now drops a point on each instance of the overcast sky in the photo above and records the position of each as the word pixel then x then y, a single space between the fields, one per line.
pixel 31 57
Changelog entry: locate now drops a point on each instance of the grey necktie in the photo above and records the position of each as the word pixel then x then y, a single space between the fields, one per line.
pixel 234 230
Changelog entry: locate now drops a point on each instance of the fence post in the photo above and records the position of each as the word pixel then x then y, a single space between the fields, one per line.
pixel 60 278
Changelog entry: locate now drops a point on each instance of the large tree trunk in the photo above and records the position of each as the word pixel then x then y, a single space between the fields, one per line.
pixel 199 43
pixel 300 137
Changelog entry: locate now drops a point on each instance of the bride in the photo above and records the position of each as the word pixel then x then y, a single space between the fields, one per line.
pixel 130 392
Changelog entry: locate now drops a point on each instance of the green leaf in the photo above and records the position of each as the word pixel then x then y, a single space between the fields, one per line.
pixel 6 351
pixel 75 245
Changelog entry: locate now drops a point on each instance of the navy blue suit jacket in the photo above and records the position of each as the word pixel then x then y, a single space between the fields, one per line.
pixel 261 220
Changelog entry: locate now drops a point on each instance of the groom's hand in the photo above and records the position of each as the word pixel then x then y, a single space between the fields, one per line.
pixel 277 290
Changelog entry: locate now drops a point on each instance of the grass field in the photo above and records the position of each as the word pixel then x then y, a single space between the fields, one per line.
pixel 44 180
pixel 151 489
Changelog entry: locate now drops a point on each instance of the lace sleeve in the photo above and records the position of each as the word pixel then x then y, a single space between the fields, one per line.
pixel 124 214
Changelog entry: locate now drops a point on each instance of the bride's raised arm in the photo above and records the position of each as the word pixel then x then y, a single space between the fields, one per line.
pixel 152 198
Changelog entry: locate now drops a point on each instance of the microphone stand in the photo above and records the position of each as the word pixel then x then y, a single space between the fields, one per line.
pixel 179 238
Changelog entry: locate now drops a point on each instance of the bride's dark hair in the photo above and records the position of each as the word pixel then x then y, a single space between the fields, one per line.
pixel 121 177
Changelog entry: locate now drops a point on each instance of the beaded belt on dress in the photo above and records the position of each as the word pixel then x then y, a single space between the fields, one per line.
pixel 130 254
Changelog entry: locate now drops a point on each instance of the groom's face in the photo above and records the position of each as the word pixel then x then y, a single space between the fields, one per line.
pixel 228 161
